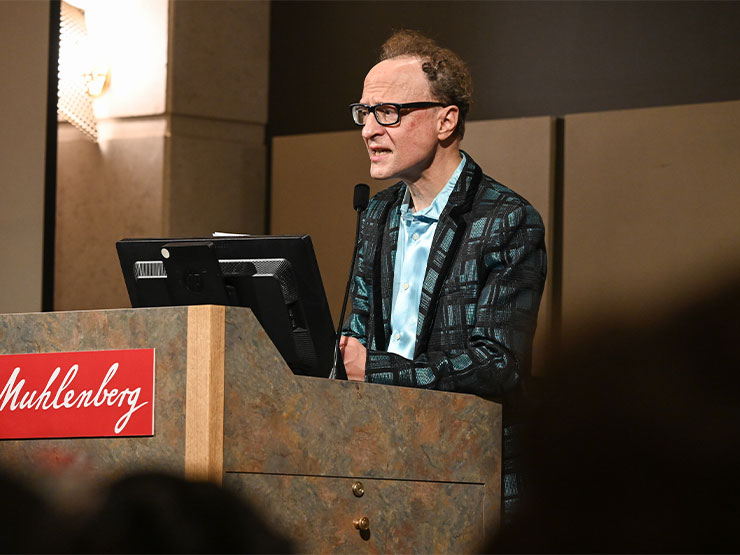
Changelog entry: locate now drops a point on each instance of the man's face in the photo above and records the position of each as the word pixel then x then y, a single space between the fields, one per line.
pixel 406 149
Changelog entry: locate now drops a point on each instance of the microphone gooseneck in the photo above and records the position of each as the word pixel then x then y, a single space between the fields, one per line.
pixel 359 201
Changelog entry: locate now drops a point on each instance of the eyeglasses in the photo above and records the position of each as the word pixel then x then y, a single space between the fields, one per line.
pixel 388 113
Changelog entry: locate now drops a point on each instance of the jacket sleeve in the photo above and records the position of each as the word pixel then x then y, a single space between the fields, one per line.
pixel 356 324
pixel 491 359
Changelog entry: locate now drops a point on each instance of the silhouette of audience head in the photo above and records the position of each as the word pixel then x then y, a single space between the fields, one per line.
pixel 159 513
pixel 141 513
pixel 23 514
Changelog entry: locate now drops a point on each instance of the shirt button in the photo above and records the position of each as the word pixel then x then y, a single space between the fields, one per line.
pixel 415 236
pixel 405 286
pixel 398 336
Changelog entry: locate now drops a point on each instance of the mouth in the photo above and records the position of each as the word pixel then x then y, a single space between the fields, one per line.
pixel 376 153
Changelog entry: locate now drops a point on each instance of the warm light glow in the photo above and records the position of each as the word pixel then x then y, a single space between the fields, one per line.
pixel 121 70
pixel 74 103
pixel 96 81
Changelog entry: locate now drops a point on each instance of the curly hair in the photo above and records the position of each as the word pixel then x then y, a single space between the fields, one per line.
pixel 448 75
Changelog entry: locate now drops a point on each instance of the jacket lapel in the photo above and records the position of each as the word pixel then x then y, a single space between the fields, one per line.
pixel 450 231
pixel 383 267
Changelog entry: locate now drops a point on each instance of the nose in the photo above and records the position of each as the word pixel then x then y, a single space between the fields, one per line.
pixel 371 128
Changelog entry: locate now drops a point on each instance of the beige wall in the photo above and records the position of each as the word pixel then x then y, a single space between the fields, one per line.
pixel 106 191
pixel 181 138
pixel 217 96
pixel 651 208
pixel 24 61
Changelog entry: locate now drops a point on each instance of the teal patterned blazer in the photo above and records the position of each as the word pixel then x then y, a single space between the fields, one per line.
pixel 481 292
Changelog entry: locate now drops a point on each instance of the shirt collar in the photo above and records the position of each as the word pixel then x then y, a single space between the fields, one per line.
pixel 433 211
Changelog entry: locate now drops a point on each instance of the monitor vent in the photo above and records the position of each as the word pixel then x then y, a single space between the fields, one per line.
pixel 147 269
pixel 237 267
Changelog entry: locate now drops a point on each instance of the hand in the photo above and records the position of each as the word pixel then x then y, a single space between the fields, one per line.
pixel 353 354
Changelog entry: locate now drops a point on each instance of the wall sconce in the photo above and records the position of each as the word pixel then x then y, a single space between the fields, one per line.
pixel 81 77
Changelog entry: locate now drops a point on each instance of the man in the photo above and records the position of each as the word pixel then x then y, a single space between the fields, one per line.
pixel 451 264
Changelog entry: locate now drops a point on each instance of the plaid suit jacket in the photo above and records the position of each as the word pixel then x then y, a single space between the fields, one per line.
pixel 480 296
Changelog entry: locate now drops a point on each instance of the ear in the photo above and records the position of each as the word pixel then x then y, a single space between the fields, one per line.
pixel 447 121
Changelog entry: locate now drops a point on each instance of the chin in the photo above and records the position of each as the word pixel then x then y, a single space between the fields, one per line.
pixel 380 173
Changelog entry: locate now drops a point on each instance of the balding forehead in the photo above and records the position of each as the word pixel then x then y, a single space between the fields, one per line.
pixel 401 65
pixel 402 61
pixel 402 75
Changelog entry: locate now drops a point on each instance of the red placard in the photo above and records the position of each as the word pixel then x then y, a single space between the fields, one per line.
pixel 79 394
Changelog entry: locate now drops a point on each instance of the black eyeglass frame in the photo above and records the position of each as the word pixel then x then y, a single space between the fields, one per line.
pixel 399 107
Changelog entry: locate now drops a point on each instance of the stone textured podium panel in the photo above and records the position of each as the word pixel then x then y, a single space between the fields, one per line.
pixel 434 456
pixel 162 329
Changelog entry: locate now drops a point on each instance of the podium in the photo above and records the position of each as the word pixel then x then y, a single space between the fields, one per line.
pixel 314 456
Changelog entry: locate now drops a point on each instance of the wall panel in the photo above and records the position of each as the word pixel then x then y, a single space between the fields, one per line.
pixel 651 200
pixel 24 59
pixel 106 191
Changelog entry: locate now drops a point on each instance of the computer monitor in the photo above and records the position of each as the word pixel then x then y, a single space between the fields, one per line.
pixel 276 276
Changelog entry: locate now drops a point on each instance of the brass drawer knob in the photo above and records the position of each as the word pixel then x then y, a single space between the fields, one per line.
pixel 358 489
pixel 362 523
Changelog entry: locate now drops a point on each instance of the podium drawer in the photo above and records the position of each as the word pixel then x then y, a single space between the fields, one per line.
pixel 323 514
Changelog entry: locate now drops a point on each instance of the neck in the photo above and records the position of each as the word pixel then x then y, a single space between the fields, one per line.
pixel 444 163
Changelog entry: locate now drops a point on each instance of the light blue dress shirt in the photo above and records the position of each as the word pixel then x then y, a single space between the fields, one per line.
pixel 415 234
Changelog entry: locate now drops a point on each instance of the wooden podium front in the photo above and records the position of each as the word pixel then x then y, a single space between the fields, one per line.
pixel 313 455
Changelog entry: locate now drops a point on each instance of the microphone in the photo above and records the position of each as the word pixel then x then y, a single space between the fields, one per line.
pixel 359 202
pixel 361 198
